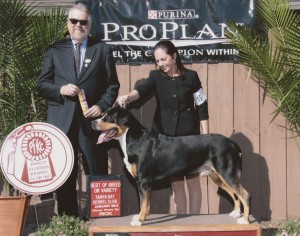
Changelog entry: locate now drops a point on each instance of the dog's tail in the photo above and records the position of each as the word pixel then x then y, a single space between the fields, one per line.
pixel 239 154
pixel 237 148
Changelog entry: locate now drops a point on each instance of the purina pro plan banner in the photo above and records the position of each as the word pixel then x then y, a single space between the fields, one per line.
pixel 196 27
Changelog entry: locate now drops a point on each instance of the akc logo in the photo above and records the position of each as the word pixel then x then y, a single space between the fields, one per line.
pixel 36 158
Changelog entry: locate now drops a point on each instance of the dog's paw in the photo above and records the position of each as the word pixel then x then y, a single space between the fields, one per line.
pixel 135 218
pixel 135 221
pixel 235 213
pixel 242 221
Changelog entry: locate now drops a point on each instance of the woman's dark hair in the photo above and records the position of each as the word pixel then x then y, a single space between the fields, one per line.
pixel 171 49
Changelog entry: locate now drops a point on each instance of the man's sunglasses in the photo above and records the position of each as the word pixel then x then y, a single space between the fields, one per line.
pixel 81 22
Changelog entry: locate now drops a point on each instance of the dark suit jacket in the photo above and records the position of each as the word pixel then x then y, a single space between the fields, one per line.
pixel 175 112
pixel 98 79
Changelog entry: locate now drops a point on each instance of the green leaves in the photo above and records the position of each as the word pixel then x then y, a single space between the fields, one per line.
pixel 25 35
pixel 273 55
pixel 289 227
pixel 64 225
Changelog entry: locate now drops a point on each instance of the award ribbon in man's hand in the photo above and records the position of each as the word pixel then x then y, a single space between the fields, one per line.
pixel 83 102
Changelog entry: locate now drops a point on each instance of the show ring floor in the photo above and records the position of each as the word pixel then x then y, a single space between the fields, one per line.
pixel 179 225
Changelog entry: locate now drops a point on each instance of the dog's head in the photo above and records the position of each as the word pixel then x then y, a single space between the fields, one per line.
pixel 112 124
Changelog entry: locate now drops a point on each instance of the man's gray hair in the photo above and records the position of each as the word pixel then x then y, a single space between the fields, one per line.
pixel 82 7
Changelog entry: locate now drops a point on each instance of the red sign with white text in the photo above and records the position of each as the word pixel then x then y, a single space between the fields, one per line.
pixel 105 198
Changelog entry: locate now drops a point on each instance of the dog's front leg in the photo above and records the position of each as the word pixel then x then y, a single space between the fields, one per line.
pixel 144 189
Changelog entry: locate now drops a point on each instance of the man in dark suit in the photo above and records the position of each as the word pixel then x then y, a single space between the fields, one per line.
pixel 77 63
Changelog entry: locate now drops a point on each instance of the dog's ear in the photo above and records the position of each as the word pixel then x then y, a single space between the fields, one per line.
pixel 123 116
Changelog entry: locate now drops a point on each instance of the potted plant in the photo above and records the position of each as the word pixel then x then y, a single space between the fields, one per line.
pixel 25 33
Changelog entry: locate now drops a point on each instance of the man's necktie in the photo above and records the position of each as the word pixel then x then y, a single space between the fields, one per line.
pixel 77 58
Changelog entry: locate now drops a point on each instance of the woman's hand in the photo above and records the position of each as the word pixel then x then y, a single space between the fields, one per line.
pixel 123 101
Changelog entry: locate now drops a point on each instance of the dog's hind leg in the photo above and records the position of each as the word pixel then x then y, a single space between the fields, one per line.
pixel 245 199
pixel 149 201
pixel 144 189
pixel 235 191
pixel 237 204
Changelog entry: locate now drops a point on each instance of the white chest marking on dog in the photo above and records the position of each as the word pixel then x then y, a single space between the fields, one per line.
pixel 122 141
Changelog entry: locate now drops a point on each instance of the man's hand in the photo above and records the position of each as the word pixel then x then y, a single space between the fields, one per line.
pixel 69 90
pixel 93 111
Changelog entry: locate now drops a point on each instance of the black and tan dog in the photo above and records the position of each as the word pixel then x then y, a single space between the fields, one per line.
pixel 151 157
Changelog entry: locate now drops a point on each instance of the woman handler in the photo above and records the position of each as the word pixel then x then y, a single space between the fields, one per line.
pixel 181 110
